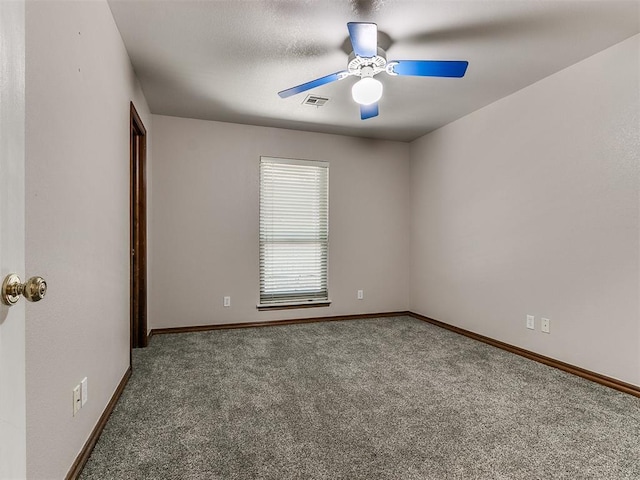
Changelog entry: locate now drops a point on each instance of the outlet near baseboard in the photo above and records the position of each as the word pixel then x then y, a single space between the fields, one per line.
pixel 77 401
pixel 545 325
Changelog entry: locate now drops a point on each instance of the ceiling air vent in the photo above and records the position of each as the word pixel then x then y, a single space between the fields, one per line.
pixel 315 101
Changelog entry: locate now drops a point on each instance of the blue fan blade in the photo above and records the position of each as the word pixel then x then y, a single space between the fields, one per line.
pixel 364 38
pixel 313 83
pixel 368 111
pixel 430 68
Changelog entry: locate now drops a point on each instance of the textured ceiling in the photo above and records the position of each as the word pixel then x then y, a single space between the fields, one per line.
pixel 226 60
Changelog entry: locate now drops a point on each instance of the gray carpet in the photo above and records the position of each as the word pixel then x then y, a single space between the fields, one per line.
pixel 391 398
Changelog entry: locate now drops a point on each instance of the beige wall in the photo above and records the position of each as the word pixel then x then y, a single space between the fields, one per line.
pixel 205 221
pixel 531 206
pixel 79 83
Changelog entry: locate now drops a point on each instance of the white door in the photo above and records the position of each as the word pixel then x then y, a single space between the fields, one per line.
pixel 12 319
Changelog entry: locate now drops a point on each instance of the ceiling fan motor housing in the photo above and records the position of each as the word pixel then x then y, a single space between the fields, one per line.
pixel 367 67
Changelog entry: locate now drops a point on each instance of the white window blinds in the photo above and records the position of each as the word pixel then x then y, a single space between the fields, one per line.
pixel 294 231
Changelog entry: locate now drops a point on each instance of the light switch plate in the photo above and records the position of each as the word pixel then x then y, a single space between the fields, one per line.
pixel 531 322
pixel 84 391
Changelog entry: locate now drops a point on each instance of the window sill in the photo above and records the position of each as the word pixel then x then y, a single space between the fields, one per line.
pixel 289 306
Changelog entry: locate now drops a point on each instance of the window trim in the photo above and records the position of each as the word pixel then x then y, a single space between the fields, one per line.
pixel 298 303
pixel 293 305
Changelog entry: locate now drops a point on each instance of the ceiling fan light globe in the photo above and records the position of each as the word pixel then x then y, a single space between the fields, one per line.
pixel 366 91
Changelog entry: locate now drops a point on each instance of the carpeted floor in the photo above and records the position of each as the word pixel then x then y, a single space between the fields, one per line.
pixel 391 398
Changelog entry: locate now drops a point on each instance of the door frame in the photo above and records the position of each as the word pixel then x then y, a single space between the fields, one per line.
pixel 138 229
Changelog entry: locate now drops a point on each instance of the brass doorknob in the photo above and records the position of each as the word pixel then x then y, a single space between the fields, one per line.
pixel 33 289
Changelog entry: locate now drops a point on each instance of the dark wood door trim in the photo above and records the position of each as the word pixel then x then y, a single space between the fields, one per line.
pixel 138 230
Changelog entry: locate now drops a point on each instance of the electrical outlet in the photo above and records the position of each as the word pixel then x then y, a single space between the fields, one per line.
pixel 360 294
pixel 84 391
pixel 77 402
pixel 226 301
pixel 545 325
pixel 531 322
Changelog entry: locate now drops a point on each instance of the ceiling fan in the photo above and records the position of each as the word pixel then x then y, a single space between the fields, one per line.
pixel 367 60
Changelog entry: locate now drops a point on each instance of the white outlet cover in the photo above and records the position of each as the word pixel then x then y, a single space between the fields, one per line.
pixel 360 294
pixel 545 324
pixel 77 405
pixel 226 301
pixel 84 391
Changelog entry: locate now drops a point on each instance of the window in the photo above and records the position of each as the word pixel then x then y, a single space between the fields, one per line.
pixel 294 232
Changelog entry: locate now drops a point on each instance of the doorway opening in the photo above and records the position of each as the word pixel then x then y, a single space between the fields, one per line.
pixel 138 216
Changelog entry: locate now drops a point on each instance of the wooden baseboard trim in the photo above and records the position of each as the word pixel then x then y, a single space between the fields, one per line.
pixel 274 323
pixel 566 367
pixel 85 453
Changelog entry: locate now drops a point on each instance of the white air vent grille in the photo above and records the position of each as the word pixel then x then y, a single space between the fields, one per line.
pixel 315 101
